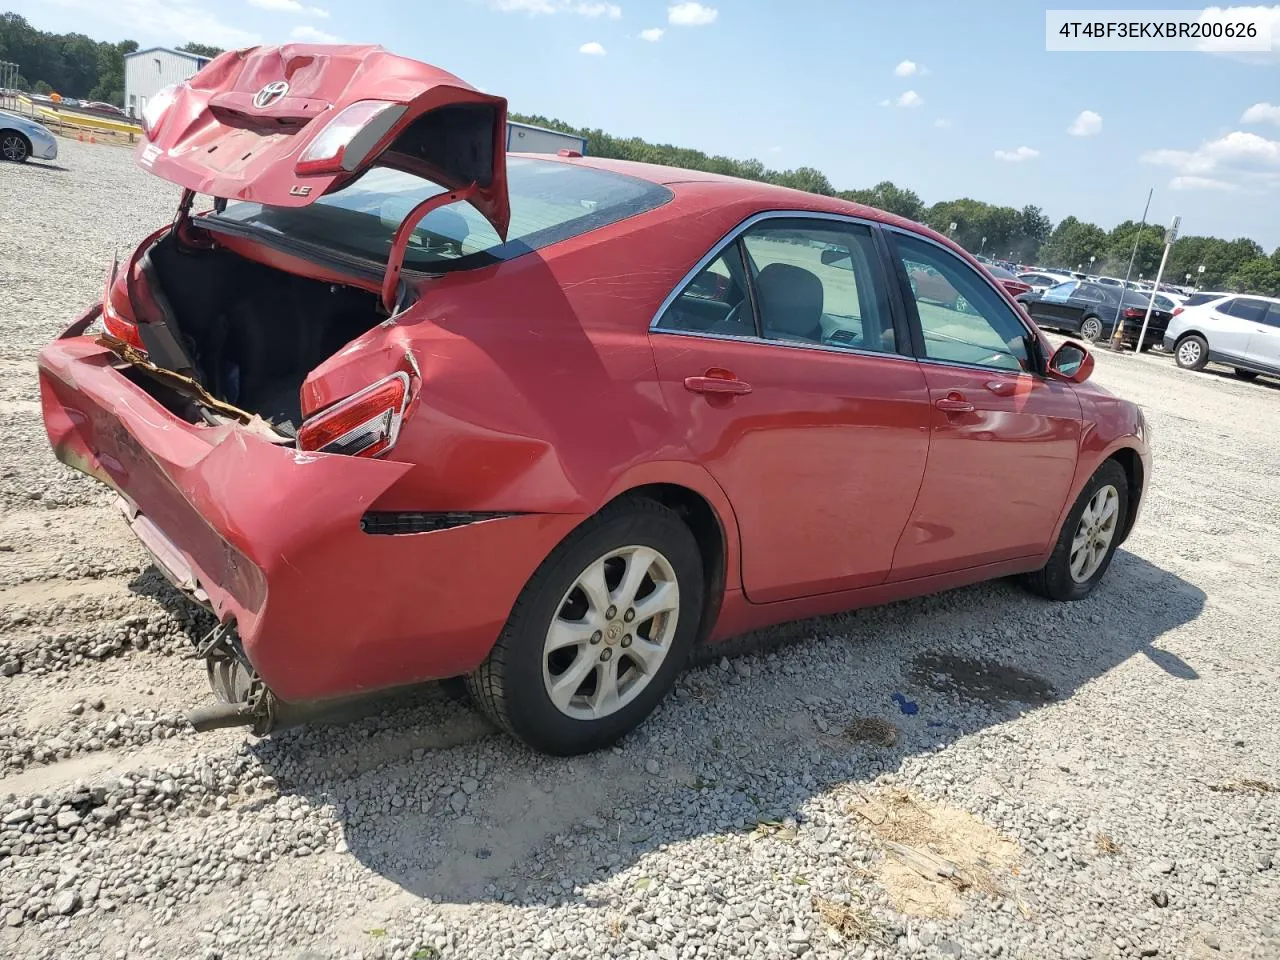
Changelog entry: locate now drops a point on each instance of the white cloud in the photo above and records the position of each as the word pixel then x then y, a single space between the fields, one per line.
pixel 289 6
pixel 1088 124
pixel 592 49
pixel 593 9
pixel 907 99
pixel 909 68
pixel 167 22
pixel 1244 14
pixel 942 123
pixel 1239 159
pixel 653 34
pixel 1200 183
pixel 1017 156
pixel 309 34
pixel 1262 113
pixel 691 14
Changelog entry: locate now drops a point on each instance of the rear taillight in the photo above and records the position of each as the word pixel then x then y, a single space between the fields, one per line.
pixel 1176 311
pixel 327 152
pixel 365 425
pixel 113 321
pixel 1133 313
pixel 153 113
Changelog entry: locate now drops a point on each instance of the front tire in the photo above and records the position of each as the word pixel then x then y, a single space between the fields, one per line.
pixel 596 638
pixel 1192 352
pixel 1088 539
pixel 14 146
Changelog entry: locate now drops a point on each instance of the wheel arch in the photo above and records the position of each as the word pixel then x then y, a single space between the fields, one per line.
pixel 1131 462
pixel 702 505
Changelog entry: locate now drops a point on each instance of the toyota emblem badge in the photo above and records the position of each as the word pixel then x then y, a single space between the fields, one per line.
pixel 270 94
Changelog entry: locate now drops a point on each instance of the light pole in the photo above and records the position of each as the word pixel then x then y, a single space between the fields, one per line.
pixel 1169 238
pixel 1188 279
pixel 982 244
pixel 1117 332
pixel 1091 259
pixel 951 229
pixel 1200 278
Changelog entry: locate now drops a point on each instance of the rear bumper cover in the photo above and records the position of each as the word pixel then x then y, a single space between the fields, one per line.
pixel 270 537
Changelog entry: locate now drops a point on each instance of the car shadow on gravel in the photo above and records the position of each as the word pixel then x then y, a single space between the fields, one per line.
pixel 430 797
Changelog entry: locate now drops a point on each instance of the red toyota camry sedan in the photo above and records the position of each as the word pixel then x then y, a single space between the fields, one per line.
pixel 399 406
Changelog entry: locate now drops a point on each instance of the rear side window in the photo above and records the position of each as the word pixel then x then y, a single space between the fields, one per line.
pixel 1247 309
pixel 1273 315
pixel 794 281
pixel 550 201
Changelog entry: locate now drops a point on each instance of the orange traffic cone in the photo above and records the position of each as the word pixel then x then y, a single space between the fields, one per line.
pixel 82 138
pixel 91 139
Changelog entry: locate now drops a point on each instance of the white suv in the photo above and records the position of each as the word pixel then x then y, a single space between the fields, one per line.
pixel 1239 331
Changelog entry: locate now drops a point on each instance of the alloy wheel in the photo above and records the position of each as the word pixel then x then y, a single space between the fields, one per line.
pixel 1092 329
pixel 1094 533
pixel 14 148
pixel 1189 353
pixel 611 633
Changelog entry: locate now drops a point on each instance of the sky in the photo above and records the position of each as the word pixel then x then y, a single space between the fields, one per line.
pixel 950 99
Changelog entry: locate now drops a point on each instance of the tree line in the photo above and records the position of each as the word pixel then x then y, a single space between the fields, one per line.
pixel 75 65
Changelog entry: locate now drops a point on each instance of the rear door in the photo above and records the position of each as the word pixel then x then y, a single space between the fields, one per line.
pixel 1229 327
pixel 284 125
pixel 781 363
pixel 1004 439
pixel 1264 341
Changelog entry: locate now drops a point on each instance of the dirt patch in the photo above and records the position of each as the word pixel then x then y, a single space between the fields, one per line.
pixel 935 857
pixel 980 680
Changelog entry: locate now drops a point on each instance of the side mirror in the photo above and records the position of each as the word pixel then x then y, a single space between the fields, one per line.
pixel 1071 362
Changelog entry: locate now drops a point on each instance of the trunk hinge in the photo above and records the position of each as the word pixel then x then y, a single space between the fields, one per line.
pixel 400 243
pixel 184 211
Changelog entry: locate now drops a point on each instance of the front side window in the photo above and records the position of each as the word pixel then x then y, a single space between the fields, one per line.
pixel 1247 309
pixel 1060 293
pixel 962 318
pixel 794 281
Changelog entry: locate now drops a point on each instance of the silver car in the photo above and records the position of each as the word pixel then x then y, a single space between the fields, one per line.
pixel 21 139
pixel 1242 332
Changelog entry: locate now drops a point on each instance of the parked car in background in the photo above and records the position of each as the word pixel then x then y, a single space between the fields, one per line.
pixel 1007 280
pixel 1092 310
pixel 1239 332
pixel 22 138
pixel 1201 297
pixel 105 108
pixel 1168 302
pixel 1040 281
pixel 400 407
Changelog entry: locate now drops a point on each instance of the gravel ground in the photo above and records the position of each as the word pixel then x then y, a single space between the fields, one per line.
pixel 1101 777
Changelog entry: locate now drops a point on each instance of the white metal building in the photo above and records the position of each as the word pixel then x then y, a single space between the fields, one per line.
pixel 147 72
pixel 524 138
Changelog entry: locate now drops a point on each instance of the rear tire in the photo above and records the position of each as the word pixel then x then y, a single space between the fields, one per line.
pixel 1091 329
pixel 1246 374
pixel 1088 539
pixel 14 146
pixel 566 675
pixel 1192 352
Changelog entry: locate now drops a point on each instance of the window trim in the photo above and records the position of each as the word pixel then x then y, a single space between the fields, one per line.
pixel 913 315
pixel 897 315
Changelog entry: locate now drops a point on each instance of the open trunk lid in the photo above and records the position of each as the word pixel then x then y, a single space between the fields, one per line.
pixel 284 125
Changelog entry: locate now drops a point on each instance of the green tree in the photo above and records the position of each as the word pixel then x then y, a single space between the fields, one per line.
pixel 889 197
pixel 1119 248
pixel 1259 275
pixel 1073 242
pixel 110 85
pixel 201 49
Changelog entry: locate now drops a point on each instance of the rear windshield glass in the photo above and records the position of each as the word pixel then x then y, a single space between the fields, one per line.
pixel 550 201
pixel 1196 299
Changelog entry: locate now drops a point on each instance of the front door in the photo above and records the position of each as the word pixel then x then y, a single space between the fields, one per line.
pixel 1004 438
pixel 780 361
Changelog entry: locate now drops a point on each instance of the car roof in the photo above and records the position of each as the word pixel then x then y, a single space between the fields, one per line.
pixel 767 195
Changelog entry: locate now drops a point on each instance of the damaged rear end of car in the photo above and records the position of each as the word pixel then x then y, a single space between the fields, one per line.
pixel 240 373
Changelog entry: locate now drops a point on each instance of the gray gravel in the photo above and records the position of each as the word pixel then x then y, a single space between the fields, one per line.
pixel 1103 775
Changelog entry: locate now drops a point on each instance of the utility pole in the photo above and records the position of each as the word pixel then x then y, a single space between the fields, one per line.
pixel 1169 238
pixel 1117 332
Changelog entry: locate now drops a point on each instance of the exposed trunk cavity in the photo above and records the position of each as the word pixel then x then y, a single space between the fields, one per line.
pixel 253 333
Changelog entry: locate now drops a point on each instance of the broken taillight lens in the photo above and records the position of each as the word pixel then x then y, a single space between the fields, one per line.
pixel 364 425
pixel 325 154
pixel 114 322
